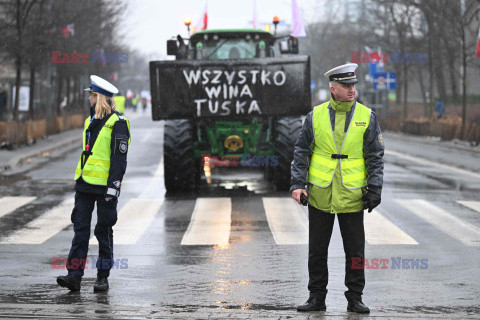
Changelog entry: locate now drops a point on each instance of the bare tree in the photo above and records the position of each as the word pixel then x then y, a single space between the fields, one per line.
pixel 31 29
pixel 16 16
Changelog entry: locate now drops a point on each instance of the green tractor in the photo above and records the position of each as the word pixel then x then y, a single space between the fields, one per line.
pixel 230 98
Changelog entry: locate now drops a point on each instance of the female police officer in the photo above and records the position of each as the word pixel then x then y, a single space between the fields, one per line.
pixel 98 176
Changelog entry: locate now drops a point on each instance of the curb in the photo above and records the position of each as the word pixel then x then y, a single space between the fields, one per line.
pixel 20 159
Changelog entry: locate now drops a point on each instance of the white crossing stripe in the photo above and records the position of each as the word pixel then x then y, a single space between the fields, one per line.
pixel 9 204
pixel 474 205
pixel 380 230
pixel 210 223
pixel 430 163
pixel 45 226
pixel 133 219
pixel 286 220
pixel 443 220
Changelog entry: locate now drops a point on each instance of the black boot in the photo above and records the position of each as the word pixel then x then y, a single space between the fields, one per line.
pixel 356 305
pixel 313 304
pixel 101 284
pixel 69 282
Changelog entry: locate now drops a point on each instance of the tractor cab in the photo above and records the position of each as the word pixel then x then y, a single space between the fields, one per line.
pixel 231 44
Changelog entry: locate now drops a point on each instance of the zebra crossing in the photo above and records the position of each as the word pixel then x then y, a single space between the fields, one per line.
pixel 289 225
pixel 9 204
pixel 211 222
pixel 46 226
pixel 444 221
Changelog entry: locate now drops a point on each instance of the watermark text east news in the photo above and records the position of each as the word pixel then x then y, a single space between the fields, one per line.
pixel 392 263
pixel 83 57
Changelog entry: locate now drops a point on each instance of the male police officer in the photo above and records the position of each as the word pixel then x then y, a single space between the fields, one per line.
pixel 98 176
pixel 340 149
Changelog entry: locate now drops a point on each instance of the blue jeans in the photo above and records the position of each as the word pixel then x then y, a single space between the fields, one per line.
pixel 81 219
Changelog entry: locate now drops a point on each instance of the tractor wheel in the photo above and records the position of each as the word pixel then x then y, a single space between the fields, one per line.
pixel 285 132
pixel 180 166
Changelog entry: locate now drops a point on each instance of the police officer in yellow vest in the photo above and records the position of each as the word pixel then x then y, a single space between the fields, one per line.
pixel 120 102
pixel 339 155
pixel 98 176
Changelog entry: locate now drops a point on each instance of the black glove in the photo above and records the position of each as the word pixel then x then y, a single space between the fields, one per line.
pixel 372 198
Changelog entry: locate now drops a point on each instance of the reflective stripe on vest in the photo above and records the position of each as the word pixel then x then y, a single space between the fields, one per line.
pixel 97 167
pixel 322 165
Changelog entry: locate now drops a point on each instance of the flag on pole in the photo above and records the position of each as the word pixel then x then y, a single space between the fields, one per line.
pixel 202 23
pixel 478 44
pixel 255 15
pixel 380 62
pixel 373 57
pixel 297 30
pixel 68 30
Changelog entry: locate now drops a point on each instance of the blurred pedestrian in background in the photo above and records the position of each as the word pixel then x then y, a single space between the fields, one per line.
pixel 120 102
pixel 439 108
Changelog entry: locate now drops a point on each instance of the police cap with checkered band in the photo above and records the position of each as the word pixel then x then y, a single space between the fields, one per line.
pixel 101 86
pixel 343 74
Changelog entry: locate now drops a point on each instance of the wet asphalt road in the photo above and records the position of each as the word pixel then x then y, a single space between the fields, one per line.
pixel 256 263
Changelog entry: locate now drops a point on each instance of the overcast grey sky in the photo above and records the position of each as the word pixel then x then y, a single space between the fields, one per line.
pixel 149 23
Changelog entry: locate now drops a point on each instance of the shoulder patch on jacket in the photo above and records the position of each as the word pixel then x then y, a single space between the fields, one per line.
pixel 380 139
pixel 123 146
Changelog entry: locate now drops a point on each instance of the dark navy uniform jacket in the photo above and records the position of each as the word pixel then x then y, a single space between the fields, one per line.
pixel 118 158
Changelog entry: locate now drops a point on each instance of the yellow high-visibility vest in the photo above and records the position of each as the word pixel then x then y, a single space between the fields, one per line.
pixel 328 155
pixel 97 167
pixel 120 103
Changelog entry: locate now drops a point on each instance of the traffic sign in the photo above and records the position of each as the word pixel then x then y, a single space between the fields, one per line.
pixel 385 81
pixel 392 81
pixel 380 81
pixel 374 68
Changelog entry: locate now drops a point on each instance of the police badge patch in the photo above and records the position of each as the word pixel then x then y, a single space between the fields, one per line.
pixel 122 147
pixel 380 139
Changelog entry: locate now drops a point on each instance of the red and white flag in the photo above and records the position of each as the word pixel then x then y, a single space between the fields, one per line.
pixel 255 15
pixel 380 61
pixel 297 30
pixel 68 30
pixel 202 23
pixel 373 57
pixel 478 44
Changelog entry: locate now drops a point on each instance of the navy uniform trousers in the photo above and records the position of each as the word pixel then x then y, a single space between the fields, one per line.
pixel 81 219
pixel 353 236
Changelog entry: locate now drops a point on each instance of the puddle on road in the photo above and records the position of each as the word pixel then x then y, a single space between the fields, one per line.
pixel 229 306
pixel 7 180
